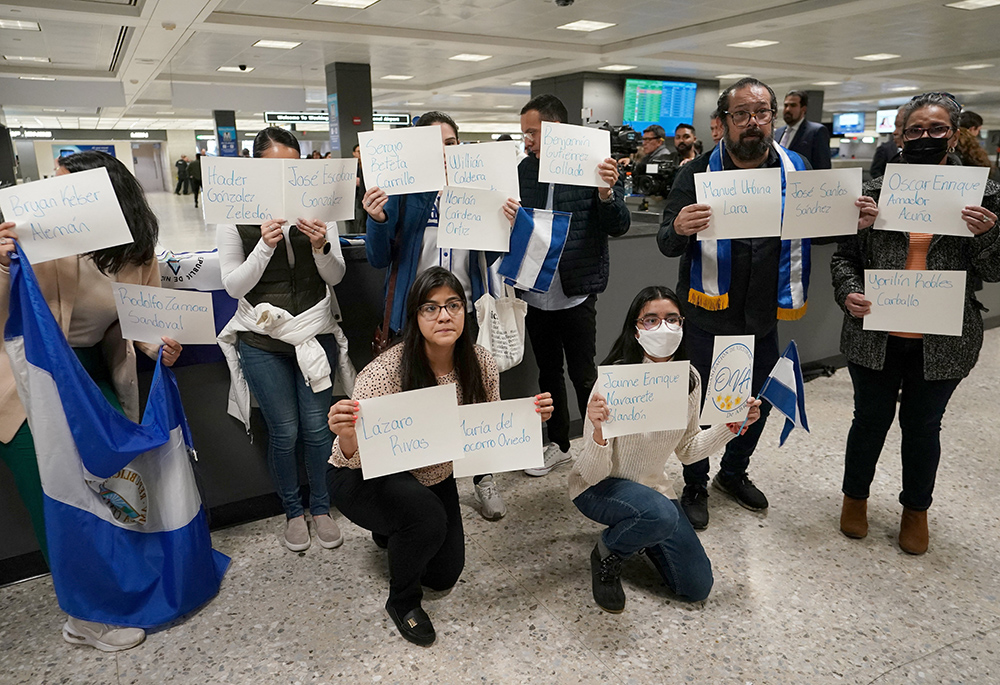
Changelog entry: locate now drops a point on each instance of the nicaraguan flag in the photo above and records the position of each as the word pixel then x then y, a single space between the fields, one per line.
pixel 128 540
pixel 536 244
pixel 785 391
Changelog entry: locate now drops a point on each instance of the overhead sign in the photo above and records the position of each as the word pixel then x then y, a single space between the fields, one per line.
pixel 296 117
pixel 402 119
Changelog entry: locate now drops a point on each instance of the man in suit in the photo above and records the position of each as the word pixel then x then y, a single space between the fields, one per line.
pixel 889 150
pixel 809 139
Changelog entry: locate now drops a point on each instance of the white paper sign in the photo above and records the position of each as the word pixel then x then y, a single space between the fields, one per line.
pixel 928 198
pixel 409 430
pixel 821 203
pixel 730 381
pixel 146 314
pixel 321 189
pixel 570 154
pixel 65 215
pixel 644 397
pixel 915 301
pixel 492 166
pixel 473 219
pixel 500 436
pixel 746 203
pixel 403 160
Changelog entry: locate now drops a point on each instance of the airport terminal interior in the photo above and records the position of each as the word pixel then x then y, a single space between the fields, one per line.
pixel 158 84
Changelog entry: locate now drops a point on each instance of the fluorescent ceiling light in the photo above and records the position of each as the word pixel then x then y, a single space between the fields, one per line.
pixel 618 67
pixel 584 25
pixel 396 77
pixel 414 104
pixel 876 57
pixel 827 83
pixel 505 106
pixel 352 4
pixel 970 67
pixel 277 44
pixel 903 89
pixel 461 95
pixel 469 57
pixel 53 110
pixel 236 69
pixel 973 4
pixel 752 44
pixel 731 77
pixel 15 25
pixel 22 58
pixel 164 112
pixel 521 83
pixel 36 78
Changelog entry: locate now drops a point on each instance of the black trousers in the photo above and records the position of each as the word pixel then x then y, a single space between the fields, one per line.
pixel 195 189
pixel 921 409
pixel 423 525
pixel 182 184
pixel 571 333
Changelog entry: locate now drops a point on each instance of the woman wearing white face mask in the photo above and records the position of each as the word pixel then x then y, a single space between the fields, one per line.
pixel 620 482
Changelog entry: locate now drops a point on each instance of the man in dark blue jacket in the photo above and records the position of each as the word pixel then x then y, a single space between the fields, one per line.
pixel 563 321
pixel 809 139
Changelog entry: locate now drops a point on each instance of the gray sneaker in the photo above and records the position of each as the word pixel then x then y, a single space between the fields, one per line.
pixel 327 531
pixel 491 504
pixel 297 534
pixel 101 636
pixel 553 458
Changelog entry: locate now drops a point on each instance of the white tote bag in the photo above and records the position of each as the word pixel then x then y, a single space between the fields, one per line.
pixel 501 323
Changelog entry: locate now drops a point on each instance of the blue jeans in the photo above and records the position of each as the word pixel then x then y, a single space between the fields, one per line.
pixel 291 408
pixel 640 517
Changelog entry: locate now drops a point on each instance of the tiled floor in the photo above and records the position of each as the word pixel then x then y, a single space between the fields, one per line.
pixel 182 228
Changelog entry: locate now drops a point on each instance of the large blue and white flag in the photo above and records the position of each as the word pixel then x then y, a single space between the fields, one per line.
pixel 127 534
pixel 536 245
pixel 785 391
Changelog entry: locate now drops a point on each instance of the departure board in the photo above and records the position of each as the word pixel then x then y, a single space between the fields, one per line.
pixel 666 103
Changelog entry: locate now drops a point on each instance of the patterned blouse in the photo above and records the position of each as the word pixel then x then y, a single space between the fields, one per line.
pixel 381 377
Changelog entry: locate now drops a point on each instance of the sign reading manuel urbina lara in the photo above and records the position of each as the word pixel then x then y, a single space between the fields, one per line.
pixel 404 160
pixel 929 198
pixel 146 314
pixel 746 203
pixel 915 301
pixel 644 397
pixel 500 436
pixel 408 430
pixel 570 154
pixel 65 215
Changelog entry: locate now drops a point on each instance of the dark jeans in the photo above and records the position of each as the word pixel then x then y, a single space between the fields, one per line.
pixel 423 525
pixel 921 409
pixel 735 460
pixel 195 189
pixel 291 409
pixel 572 332
pixel 640 517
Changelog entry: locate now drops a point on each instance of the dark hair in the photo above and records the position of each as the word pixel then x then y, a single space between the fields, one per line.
pixel 969 119
pixel 680 126
pixel 435 117
pixel 715 114
pixel 656 130
pixel 140 218
pixel 266 137
pixel 356 146
pixel 626 349
pixel 415 371
pixel 747 82
pixel 945 101
pixel 802 95
pixel 549 108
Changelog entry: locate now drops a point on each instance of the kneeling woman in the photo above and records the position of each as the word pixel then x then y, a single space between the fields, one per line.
pixel 415 513
pixel 620 482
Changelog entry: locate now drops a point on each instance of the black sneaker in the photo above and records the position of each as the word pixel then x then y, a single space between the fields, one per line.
pixel 741 489
pixel 694 502
pixel 606 574
pixel 415 626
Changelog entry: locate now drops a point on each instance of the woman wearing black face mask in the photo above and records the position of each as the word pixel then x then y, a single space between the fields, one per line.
pixel 926 368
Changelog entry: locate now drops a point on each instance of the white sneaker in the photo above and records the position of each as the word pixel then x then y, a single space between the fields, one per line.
pixel 491 504
pixel 553 457
pixel 101 636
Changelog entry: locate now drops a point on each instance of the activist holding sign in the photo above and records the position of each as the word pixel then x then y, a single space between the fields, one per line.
pixel 78 290
pixel 927 368
pixel 402 238
pixel 620 482
pixel 415 514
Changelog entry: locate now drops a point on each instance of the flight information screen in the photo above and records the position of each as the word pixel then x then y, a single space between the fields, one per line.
pixel 666 103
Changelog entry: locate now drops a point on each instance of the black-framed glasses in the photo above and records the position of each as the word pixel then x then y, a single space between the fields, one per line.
pixel 651 321
pixel 429 310
pixel 650 140
pixel 935 131
pixel 761 116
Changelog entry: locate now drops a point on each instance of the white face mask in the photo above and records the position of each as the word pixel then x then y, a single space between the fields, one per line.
pixel 662 341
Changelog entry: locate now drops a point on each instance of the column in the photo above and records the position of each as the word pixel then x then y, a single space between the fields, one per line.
pixel 349 100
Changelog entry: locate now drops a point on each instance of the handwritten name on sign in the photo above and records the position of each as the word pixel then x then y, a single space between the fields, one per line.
pixel 409 430
pixel 65 215
pixel 473 219
pixel 321 189
pixel 146 314
pixel 729 383
pixel 821 203
pixel 745 203
pixel 928 198
pixel 644 397
pixel 570 154
pixel 404 160
pixel 500 436
pixel 492 166
pixel 915 301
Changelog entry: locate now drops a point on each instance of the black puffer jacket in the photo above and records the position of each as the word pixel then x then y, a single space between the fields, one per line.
pixel 583 268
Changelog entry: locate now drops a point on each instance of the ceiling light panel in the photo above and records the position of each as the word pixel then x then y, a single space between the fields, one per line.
pixel 470 57
pixel 350 4
pixel 277 44
pixel 396 77
pixel 23 58
pixel 972 67
pixel 752 44
pixel 973 4
pixel 16 25
pixel 585 25
pixel 618 67
pixel 876 57
pixel 236 69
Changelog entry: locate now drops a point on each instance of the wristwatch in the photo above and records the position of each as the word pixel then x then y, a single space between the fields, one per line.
pixel 325 249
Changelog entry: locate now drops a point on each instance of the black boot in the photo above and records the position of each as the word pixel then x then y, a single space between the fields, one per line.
pixel 694 502
pixel 606 574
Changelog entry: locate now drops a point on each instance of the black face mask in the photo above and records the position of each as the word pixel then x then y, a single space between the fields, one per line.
pixel 925 150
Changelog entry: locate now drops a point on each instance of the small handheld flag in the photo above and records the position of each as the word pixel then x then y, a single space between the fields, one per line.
pixel 785 390
pixel 536 244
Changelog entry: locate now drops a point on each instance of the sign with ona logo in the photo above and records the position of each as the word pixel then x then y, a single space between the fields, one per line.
pixel 730 381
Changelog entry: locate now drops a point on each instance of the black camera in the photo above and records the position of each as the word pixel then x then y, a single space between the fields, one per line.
pixel 655 178
pixel 624 139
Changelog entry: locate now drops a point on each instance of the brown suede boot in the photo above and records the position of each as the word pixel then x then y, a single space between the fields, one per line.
pixel 913 535
pixel 854 517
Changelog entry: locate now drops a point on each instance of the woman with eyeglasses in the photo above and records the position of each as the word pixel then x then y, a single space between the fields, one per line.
pixel 921 371
pixel 415 514
pixel 620 482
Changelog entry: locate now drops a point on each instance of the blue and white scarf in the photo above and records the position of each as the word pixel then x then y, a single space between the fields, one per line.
pixel 711 260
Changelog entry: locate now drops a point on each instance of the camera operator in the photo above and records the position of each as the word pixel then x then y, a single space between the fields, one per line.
pixel 654 146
